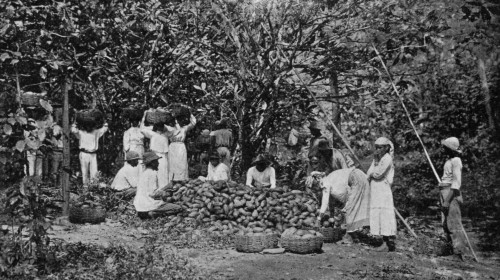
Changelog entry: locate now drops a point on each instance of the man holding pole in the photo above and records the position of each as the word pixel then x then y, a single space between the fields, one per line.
pixel 450 196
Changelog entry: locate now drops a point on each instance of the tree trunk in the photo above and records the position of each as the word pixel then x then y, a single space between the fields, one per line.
pixel 486 92
pixel 66 150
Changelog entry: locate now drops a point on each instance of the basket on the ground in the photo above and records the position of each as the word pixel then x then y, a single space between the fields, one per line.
pixel 255 243
pixel 158 116
pixel 30 99
pixel 330 234
pixel 80 215
pixel 302 246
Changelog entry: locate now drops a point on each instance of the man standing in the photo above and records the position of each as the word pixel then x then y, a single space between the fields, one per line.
pixel 451 197
pixel 88 144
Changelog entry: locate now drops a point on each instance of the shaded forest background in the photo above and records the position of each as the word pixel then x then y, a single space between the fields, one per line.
pixel 244 60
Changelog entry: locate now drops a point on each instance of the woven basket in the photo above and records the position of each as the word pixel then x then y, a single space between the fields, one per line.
pixel 255 244
pixel 330 234
pixel 132 113
pixel 79 215
pixel 30 99
pixel 158 117
pixel 302 246
pixel 90 117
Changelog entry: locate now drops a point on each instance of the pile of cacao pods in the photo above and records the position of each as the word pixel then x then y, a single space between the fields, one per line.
pixel 228 207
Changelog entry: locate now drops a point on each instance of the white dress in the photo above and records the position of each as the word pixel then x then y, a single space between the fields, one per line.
pixel 159 144
pixel 382 215
pixel 133 140
pixel 177 156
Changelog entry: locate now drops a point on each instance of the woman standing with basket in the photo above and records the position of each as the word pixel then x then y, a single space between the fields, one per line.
pixel 177 157
pixel 133 138
pixel 158 135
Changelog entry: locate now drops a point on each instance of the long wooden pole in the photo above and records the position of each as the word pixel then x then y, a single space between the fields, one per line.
pixel 418 136
pixel 344 140
pixel 347 144
pixel 66 148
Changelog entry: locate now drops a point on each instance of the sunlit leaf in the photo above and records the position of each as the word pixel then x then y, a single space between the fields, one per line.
pixel 7 129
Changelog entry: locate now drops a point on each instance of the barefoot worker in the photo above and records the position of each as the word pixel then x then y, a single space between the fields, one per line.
pixel 178 169
pixel 380 176
pixel 262 174
pixel 350 187
pixel 145 205
pixel 451 198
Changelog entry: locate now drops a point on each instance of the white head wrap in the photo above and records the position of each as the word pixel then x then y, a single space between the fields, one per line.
pixel 385 141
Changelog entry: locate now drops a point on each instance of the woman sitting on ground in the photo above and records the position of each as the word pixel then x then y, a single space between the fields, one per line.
pixel 262 174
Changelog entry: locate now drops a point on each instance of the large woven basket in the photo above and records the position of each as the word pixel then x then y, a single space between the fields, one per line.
pixel 330 234
pixel 302 246
pixel 90 117
pixel 80 215
pixel 132 113
pixel 158 117
pixel 255 244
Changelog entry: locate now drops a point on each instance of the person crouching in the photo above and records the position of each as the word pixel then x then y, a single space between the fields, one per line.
pixel 144 203
pixel 262 174
pixel 217 171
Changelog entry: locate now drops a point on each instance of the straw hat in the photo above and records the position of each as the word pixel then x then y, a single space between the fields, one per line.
pixel 149 157
pixel 452 143
pixel 131 155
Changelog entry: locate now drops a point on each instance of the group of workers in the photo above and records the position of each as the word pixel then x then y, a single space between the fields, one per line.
pixel 366 197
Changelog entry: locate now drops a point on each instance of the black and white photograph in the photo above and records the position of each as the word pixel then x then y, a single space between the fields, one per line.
pixel 249 139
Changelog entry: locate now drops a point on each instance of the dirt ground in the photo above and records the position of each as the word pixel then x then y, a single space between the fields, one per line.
pixel 337 261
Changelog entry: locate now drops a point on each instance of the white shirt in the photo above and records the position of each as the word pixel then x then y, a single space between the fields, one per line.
pixel 383 170
pixel 452 173
pixel 159 141
pixel 127 177
pixel 148 183
pixel 89 141
pixel 220 172
pixel 335 184
pixel 132 137
pixel 264 178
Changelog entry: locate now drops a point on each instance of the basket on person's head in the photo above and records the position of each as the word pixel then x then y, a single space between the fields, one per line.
pixel 90 118
pixel 132 113
pixel 158 116
pixel 181 113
